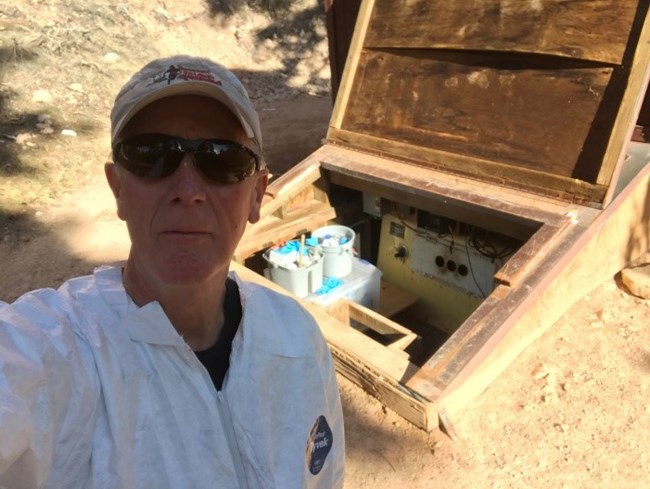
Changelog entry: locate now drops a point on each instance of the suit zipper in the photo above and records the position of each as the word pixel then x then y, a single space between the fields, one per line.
pixel 229 430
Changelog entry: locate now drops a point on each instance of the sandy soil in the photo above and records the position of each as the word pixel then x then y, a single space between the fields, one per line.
pixel 572 411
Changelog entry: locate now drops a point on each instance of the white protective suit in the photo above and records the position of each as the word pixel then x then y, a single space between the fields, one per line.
pixel 96 392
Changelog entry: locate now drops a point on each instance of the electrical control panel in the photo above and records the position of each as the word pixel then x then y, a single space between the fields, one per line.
pixel 450 265
pixel 454 260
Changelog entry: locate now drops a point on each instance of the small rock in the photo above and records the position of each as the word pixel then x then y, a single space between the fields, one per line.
pixel 163 13
pixel 45 124
pixel 23 137
pixel 637 280
pixel 110 57
pixel 69 132
pixel 76 87
pixel 540 371
pixel 41 96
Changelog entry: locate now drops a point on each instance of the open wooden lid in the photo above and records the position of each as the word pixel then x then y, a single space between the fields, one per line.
pixel 541 95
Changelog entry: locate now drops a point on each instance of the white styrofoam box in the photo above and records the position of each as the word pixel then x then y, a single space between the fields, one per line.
pixel 362 285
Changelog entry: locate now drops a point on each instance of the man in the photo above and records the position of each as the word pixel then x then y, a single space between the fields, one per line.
pixel 165 371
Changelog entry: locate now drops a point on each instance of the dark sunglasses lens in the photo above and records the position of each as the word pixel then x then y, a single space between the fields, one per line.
pixel 150 156
pixel 225 162
pixel 158 155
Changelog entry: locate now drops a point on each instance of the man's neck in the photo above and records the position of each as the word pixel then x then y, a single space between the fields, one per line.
pixel 196 311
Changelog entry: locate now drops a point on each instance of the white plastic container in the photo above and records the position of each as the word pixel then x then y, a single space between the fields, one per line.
pixel 362 285
pixel 337 258
pixel 299 281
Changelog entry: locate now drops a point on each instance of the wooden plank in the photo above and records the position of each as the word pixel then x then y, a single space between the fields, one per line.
pixel 288 185
pixel 376 321
pixel 513 226
pixel 614 238
pixel 531 254
pixel 340 17
pixel 301 199
pixel 631 103
pixel 436 188
pixel 358 37
pixel 339 309
pixel 347 311
pixel 394 299
pixel 484 171
pixel 485 108
pixel 594 30
pixel 420 412
pixel 273 230
pixel 377 369
pixel 403 342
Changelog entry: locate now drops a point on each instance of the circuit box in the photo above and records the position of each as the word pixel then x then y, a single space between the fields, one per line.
pixel 451 265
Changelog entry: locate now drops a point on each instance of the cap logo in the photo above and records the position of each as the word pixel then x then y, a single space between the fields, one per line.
pixel 180 73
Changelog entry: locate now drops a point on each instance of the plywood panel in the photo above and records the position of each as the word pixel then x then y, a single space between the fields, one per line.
pixel 438 192
pixel 513 111
pixel 594 30
pixel 540 95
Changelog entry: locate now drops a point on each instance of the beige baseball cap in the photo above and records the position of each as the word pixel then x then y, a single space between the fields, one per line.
pixel 184 75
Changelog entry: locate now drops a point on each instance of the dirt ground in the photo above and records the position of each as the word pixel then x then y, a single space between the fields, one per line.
pixel 571 411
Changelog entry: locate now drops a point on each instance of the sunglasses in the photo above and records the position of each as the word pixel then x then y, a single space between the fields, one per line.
pixel 157 156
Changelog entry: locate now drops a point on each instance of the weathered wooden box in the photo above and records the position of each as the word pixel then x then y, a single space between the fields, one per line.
pixel 481 150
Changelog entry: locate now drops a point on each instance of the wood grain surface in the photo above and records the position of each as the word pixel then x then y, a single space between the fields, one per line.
pixel 594 30
pixel 508 110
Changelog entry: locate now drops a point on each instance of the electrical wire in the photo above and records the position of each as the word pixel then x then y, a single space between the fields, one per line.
pixel 471 270
pixel 485 248
pixel 488 249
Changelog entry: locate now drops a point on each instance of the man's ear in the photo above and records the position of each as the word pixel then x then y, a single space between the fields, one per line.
pixel 114 180
pixel 262 180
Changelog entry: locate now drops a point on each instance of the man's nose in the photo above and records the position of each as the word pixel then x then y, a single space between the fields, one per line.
pixel 188 186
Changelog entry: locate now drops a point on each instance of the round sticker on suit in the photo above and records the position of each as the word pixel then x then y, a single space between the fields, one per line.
pixel 319 445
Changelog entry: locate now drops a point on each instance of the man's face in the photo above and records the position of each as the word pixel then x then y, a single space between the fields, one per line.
pixel 184 228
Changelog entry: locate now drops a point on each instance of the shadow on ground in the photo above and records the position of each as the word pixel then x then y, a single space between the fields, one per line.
pixel 10 122
pixel 26 263
pixel 296 33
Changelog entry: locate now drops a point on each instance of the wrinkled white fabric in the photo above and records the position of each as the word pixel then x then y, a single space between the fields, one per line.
pixel 98 393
